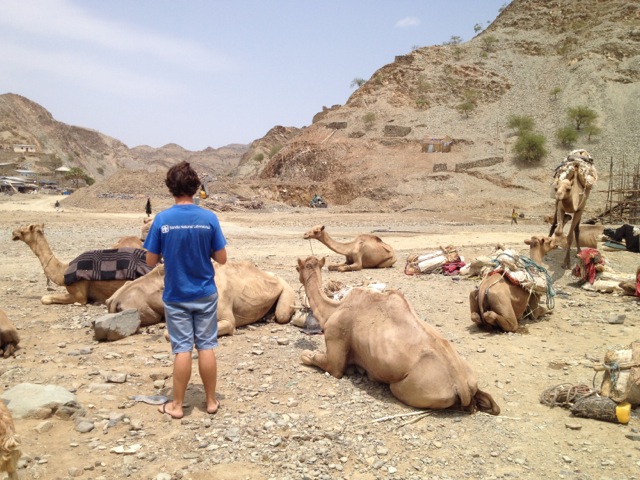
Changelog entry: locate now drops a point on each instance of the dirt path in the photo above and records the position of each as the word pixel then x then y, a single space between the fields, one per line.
pixel 282 420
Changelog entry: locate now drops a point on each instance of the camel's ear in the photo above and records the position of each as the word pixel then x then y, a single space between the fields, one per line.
pixel 322 228
pixel 300 263
pixel 322 260
pixel 529 241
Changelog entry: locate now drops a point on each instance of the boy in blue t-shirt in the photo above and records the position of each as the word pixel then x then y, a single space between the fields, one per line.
pixel 187 237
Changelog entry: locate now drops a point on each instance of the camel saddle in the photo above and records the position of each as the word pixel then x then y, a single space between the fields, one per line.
pixel 111 264
pixel 621 380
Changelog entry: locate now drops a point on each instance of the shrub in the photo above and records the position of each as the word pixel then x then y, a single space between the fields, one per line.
pixel 488 43
pixel 358 82
pixel 369 118
pixel 566 136
pixel 520 123
pixel 258 157
pixel 275 149
pixel 529 148
pixel 555 92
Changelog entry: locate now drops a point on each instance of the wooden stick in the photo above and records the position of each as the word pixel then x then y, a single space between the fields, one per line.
pixel 621 366
pixel 383 419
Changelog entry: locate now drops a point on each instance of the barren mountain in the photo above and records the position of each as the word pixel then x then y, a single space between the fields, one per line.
pixel 25 122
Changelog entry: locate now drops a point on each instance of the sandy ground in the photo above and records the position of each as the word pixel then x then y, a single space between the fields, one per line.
pixel 280 419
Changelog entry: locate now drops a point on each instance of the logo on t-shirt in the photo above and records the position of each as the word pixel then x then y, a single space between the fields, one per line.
pixel 165 229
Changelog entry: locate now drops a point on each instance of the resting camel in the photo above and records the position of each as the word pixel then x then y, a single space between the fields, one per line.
pixel 245 295
pixel 381 333
pixel 81 292
pixel 9 337
pixel 366 251
pixel 501 304
pixel 9 444
pixel 573 182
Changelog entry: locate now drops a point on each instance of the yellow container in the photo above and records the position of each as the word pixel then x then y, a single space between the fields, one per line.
pixel 623 412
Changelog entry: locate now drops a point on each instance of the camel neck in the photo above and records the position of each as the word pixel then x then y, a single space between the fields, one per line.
pixel 321 305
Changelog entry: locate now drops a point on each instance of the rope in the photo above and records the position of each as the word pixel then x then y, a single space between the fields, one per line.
pixel 530 267
pixel 565 394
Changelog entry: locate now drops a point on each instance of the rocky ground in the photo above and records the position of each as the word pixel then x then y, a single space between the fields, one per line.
pixel 282 420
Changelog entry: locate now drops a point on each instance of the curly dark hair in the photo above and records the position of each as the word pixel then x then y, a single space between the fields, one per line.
pixel 182 180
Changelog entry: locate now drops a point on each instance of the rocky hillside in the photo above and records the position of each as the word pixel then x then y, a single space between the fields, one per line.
pixel 538 59
pixel 25 122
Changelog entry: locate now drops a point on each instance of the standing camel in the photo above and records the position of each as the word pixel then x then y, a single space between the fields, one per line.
pixel 82 291
pixel 573 181
pixel 365 251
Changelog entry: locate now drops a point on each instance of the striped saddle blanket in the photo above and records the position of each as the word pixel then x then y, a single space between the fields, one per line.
pixel 112 264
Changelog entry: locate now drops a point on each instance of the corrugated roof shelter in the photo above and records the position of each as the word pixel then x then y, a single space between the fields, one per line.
pixel 437 144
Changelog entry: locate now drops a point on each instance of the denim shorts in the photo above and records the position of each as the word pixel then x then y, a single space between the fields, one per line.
pixel 194 322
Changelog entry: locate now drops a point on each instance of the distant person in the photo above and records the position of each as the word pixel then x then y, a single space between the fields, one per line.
pixel 147 207
pixel 187 237
pixel 58 206
pixel 514 217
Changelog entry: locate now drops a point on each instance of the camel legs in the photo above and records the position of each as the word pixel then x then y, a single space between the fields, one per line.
pixel 335 360
pixel 284 305
pixel 76 293
pixel 500 315
pixel 226 327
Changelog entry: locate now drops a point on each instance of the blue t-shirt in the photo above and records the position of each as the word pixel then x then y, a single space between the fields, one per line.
pixel 186 236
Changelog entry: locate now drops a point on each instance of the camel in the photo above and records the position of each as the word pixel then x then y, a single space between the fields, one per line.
pixel 590 236
pixel 245 295
pixel 130 241
pixel 9 337
pixel 632 287
pixel 501 304
pixel 9 444
pixel 366 251
pixel 82 291
pixel 381 333
pixel 573 182
pixel 146 226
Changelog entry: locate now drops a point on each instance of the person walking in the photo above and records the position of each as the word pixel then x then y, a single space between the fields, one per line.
pixel 147 207
pixel 58 206
pixel 514 217
pixel 187 237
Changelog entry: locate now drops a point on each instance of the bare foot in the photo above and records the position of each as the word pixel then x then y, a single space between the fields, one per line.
pixel 173 413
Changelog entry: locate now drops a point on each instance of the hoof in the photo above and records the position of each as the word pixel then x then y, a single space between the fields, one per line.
pixel 307 357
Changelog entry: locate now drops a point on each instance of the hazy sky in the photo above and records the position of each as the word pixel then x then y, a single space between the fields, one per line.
pixel 203 73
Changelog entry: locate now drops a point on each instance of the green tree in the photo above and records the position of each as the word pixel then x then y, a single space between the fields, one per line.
pixel 358 82
pixel 466 107
pixel 592 130
pixel 75 175
pixel 581 116
pixel 529 148
pixel 477 27
pixel 520 123
pixel 567 136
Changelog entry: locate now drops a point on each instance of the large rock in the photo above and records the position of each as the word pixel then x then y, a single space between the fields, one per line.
pixel 115 326
pixel 28 400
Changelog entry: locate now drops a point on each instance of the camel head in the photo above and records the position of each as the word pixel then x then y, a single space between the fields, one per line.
pixel 28 234
pixel 315 232
pixel 144 231
pixel 310 264
pixel 542 245
pixel 563 189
